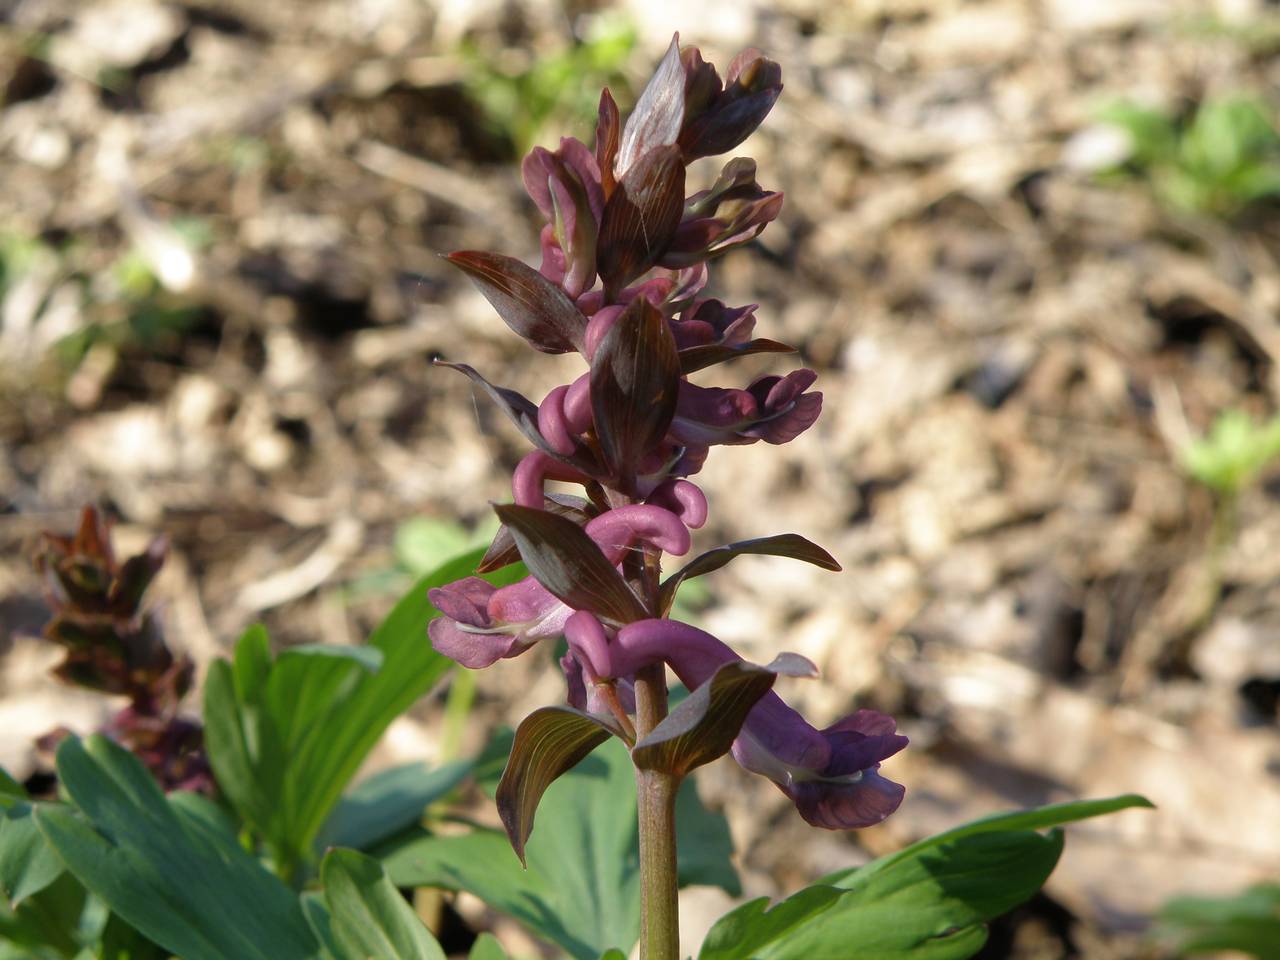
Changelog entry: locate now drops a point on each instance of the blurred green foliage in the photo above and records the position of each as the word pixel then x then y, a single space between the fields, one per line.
pixel 1248 922
pixel 557 89
pixel 1230 456
pixel 1217 161
pixel 118 303
pixel 1260 34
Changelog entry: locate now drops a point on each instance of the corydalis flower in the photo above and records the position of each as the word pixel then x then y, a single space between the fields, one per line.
pixel 481 624
pixel 565 186
pixel 773 409
pixel 731 213
pixel 832 775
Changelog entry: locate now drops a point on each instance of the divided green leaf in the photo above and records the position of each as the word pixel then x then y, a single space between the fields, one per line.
pixel 285 737
pixel 930 901
pixel 174 879
pixel 367 915
pixel 581 888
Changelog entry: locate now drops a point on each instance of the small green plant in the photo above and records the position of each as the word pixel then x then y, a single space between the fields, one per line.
pixel 520 103
pixel 1248 922
pixel 70 301
pixel 1218 161
pixel 1229 458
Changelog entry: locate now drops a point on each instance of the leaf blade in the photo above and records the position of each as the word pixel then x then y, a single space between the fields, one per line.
pixel 530 304
pixel 565 560
pixel 789 545
pixel 367 915
pixel 635 379
pixel 704 724
pixel 549 742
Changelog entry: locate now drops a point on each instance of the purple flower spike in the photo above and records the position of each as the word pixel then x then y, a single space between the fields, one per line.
pixel 772 409
pixel 482 624
pixel 625 253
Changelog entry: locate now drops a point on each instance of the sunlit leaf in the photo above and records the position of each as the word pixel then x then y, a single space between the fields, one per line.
pixel 549 742
pixel 531 305
pixel 569 563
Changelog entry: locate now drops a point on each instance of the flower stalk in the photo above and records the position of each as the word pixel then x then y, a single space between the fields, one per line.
pixel 625 257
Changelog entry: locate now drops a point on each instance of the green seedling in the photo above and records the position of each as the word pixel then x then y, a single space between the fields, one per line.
pixel 521 103
pixel 1222 159
pixel 1229 458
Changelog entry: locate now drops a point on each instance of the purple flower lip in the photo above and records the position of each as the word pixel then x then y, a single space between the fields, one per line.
pixel 831 775
pixel 773 409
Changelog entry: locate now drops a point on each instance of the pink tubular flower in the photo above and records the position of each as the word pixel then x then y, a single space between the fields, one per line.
pixel 565 186
pixel 831 775
pixel 481 624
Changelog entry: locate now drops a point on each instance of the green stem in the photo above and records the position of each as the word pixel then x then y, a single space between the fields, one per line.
pixel 656 799
pixel 457 708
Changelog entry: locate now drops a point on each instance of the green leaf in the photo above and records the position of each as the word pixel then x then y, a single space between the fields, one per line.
pixel 549 742
pixel 120 941
pixel 706 846
pixel 566 561
pixel 581 890
pixel 286 737
pixel 930 901
pixel 10 789
pixel 368 917
pixel 165 874
pixel 487 947
pixel 27 864
pixel 49 924
pixel 1248 922
pixel 754 925
pixel 703 726
pixel 387 803
pixel 317 913
pixel 790 545
pixel 1040 818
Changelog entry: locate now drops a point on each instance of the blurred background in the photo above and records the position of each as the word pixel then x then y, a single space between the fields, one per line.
pixel 1030 246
